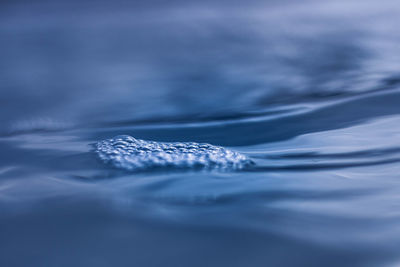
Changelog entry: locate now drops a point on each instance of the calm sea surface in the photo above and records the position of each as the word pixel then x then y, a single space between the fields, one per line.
pixel 309 90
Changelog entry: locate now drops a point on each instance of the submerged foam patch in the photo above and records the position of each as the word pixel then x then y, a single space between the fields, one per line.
pixel 128 153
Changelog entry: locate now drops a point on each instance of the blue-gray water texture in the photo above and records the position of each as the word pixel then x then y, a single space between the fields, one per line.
pixel 199 133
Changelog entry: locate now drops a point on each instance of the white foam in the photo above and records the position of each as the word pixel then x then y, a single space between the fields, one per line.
pixel 128 153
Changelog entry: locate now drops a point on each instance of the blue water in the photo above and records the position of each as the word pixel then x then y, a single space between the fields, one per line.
pixel 308 92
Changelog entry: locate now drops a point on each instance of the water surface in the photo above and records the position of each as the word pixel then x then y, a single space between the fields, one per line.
pixel 309 91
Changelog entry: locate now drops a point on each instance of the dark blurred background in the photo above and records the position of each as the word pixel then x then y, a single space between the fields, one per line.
pixel 85 62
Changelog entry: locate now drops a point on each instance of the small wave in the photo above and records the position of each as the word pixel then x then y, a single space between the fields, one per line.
pixel 324 166
pixel 368 153
pixel 128 153
pixel 41 124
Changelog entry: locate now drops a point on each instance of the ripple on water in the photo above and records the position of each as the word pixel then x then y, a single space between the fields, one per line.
pixel 128 153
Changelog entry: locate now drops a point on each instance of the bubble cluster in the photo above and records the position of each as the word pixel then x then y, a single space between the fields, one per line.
pixel 128 153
